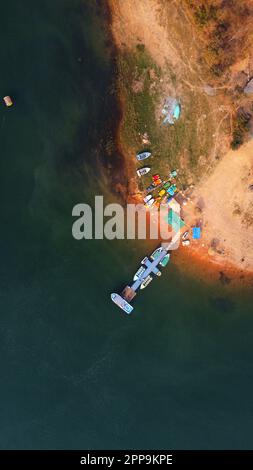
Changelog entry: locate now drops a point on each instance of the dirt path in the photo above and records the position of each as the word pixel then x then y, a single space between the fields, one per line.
pixel 138 21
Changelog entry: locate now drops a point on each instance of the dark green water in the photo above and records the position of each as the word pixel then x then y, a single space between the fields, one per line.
pixel 75 372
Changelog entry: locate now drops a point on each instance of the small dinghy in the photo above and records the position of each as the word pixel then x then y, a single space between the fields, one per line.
pixel 8 101
pixel 143 171
pixel 143 155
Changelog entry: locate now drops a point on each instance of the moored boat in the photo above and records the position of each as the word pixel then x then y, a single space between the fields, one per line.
pixel 165 260
pixel 122 303
pixel 156 252
pixel 146 282
pixel 143 155
pixel 139 273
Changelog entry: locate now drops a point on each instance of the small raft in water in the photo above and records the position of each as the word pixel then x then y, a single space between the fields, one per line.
pixel 8 101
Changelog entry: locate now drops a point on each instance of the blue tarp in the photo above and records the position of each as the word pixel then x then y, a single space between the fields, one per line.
pixel 171 109
pixel 177 111
pixel 196 232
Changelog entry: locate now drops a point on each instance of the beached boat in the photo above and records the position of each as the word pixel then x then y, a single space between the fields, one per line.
pixel 156 177
pixel 147 198
pixel 151 187
pixel 173 174
pixel 139 273
pixel 122 303
pixel 150 202
pixel 143 155
pixel 165 260
pixel 143 171
pixel 185 235
pixel 158 201
pixel 146 282
pixel 172 189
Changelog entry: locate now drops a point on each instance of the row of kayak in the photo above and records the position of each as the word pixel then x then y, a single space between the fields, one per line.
pixel 165 187
pixel 163 195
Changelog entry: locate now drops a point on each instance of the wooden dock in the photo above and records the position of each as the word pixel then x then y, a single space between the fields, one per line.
pixel 129 292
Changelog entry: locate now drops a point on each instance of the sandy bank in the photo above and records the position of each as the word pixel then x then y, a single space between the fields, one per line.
pixel 223 204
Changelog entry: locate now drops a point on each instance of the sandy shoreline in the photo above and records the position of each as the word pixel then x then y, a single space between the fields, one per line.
pixel 223 203
pixel 232 260
pixel 200 266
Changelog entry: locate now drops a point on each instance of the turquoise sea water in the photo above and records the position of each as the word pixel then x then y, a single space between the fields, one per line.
pixel 75 372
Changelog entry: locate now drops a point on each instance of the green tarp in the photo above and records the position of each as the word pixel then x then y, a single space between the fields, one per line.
pixel 174 220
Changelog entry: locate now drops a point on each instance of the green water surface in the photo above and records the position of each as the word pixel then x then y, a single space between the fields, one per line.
pixel 76 373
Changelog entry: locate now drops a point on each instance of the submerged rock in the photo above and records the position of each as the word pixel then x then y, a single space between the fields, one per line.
pixel 224 279
pixel 223 304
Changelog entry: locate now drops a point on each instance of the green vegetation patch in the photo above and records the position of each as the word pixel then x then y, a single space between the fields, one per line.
pixel 240 128
pixel 218 20
pixel 135 72
pixel 205 13
pixel 172 146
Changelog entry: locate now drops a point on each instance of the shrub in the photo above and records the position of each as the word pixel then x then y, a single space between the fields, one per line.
pixel 140 47
pixel 204 14
pixel 241 127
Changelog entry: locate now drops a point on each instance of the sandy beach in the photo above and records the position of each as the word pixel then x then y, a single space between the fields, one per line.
pixel 223 205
